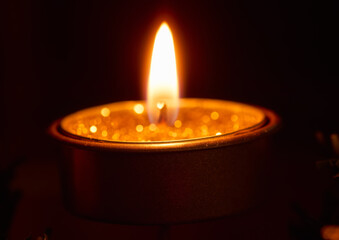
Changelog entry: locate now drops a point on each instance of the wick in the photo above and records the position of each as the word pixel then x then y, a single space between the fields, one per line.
pixel 163 112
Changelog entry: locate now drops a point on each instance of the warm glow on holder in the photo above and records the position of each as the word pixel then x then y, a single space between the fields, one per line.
pixel 163 80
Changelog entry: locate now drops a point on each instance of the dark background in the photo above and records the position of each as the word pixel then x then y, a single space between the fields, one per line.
pixel 60 56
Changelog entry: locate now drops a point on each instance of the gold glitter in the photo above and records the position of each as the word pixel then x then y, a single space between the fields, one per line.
pixel 196 119
pixel 139 128
pixel 105 112
pixel 93 129
pixel 234 118
pixel 214 115
pixel 79 131
pixel 138 108
pixel 152 127
pixel 172 134
pixel 189 131
pixel 204 130
pixel 104 133
pixel 177 124
pixel 116 136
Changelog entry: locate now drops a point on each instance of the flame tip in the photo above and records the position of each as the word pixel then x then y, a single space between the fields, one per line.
pixel 164 27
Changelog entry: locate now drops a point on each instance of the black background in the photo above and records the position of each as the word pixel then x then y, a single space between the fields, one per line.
pixel 60 56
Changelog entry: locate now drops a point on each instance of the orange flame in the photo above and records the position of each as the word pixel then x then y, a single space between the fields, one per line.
pixel 163 90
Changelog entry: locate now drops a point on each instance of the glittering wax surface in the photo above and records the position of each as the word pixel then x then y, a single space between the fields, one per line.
pixel 128 121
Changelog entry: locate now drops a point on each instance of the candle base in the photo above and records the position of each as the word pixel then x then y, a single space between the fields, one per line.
pixel 205 179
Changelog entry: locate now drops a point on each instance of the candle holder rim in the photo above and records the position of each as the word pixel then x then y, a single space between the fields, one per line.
pixel 271 124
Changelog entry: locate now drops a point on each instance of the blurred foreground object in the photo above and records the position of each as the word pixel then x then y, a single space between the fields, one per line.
pixel 330 232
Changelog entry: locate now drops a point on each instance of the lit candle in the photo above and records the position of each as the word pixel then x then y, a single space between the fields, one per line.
pixel 161 118
pixel 166 160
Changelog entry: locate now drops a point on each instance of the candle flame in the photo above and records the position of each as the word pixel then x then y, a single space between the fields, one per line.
pixel 163 80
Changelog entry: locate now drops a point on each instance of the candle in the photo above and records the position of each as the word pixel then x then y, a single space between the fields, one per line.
pixel 166 159
pixel 163 117
pixel 128 121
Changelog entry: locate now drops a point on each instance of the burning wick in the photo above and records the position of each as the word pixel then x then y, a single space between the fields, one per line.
pixel 163 88
pixel 163 112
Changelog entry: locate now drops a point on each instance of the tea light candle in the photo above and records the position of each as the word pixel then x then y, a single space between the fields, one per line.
pixel 166 159
pixel 130 122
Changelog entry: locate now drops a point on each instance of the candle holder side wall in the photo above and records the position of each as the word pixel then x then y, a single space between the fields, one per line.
pixel 163 188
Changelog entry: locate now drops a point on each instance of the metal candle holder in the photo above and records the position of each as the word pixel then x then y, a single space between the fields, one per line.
pixel 166 182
